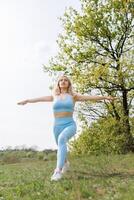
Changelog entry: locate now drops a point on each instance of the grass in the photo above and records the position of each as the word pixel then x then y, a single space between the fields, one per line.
pixel 90 178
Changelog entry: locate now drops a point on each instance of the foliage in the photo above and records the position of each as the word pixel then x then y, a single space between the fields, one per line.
pixel 15 156
pixel 96 50
pixel 101 137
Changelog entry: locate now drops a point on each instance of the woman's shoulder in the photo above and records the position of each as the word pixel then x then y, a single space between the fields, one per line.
pixel 74 96
pixel 54 96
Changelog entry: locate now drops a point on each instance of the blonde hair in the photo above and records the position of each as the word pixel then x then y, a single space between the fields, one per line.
pixel 57 90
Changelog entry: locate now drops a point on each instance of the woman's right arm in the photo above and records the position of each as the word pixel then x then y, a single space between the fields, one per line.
pixel 40 99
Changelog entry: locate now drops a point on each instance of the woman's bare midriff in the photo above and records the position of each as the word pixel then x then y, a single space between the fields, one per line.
pixel 63 114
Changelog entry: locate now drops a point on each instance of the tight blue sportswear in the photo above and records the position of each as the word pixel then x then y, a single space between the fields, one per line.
pixel 64 128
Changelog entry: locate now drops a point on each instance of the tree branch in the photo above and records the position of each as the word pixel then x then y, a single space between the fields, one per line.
pixel 128 89
pixel 117 85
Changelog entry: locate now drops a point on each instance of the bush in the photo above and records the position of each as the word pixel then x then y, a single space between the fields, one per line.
pixel 10 159
pixel 104 136
pixel 42 156
pixel 31 154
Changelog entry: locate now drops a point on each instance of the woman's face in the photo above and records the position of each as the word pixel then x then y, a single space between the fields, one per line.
pixel 63 82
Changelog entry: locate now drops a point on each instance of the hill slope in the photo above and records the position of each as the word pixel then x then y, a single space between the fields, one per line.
pixel 90 177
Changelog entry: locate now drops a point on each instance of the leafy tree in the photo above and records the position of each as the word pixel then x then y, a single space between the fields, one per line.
pixel 96 50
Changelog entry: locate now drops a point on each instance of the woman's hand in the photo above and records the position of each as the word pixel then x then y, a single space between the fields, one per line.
pixel 111 98
pixel 22 102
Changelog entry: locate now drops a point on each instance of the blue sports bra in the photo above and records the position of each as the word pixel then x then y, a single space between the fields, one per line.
pixel 63 105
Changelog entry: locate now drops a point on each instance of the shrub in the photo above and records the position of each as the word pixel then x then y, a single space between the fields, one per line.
pixel 104 136
pixel 9 159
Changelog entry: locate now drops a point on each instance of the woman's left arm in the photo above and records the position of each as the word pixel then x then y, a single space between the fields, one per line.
pixel 80 97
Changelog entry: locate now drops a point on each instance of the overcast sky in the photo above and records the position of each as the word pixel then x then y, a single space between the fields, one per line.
pixel 28 34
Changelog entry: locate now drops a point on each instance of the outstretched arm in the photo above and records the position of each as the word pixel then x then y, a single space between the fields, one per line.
pixel 40 99
pixel 80 97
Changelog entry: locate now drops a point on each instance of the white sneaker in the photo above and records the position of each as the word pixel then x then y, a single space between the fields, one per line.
pixel 56 176
pixel 65 167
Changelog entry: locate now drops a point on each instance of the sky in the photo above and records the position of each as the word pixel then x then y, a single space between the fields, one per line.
pixel 29 30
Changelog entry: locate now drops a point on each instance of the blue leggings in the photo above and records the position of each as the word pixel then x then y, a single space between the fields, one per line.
pixel 64 128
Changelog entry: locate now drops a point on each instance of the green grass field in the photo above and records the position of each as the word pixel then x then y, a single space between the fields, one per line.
pixel 90 177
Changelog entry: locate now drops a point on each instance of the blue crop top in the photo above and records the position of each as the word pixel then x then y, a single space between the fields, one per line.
pixel 63 105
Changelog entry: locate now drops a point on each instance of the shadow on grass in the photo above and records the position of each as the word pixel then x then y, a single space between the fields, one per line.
pixel 85 175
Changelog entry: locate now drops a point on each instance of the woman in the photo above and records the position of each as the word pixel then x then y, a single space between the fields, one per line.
pixel 64 127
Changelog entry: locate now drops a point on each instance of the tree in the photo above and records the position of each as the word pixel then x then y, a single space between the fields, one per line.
pixel 97 51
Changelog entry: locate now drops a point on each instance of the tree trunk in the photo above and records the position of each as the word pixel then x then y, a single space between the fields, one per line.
pixel 129 145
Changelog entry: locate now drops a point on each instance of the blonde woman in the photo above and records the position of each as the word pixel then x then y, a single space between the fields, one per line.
pixel 64 128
